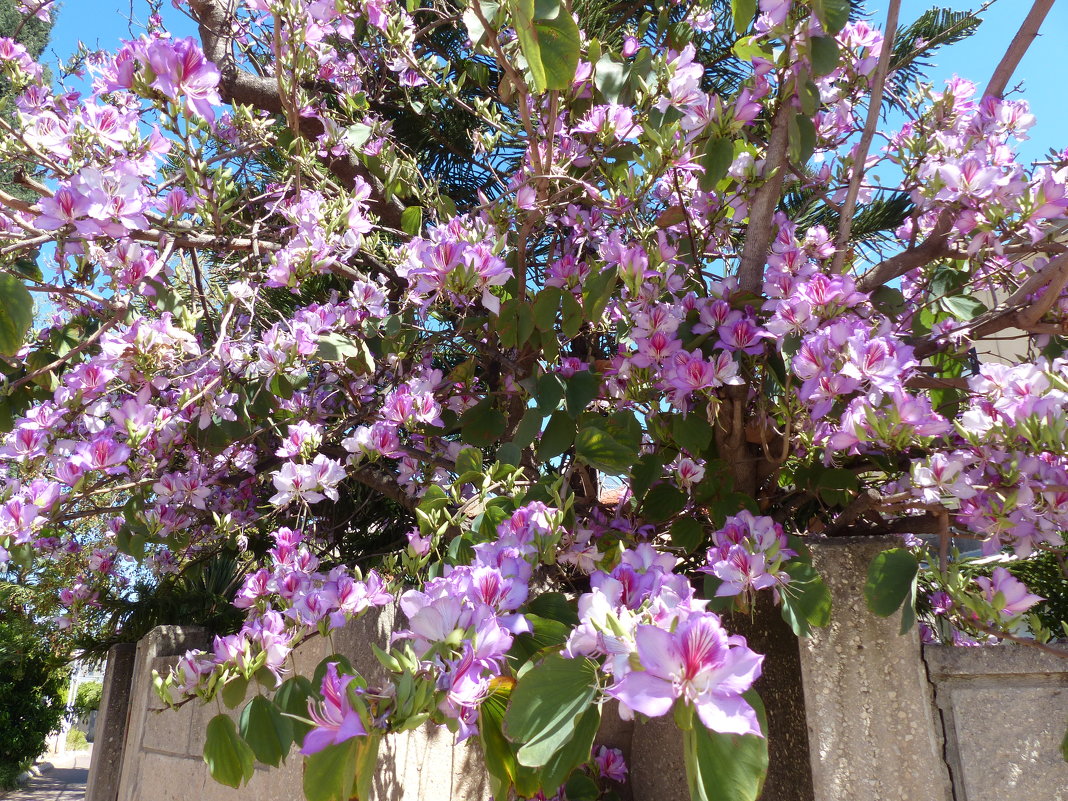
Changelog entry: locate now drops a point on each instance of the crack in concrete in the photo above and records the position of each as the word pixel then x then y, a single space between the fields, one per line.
pixel 953 778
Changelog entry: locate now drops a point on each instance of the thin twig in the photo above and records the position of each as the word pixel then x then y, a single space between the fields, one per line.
pixel 860 153
pixel 1018 47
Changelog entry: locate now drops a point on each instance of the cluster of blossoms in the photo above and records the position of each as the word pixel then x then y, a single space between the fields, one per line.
pixel 748 555
pixel 992 603
pixel 321 235
pixel 660 645
pixel 286 603
pixel 463 623
pixel 458 263
pixel 1000 468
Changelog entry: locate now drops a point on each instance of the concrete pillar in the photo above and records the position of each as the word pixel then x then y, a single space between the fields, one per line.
pixel 874 733
pixel 161 641
pixel 110 739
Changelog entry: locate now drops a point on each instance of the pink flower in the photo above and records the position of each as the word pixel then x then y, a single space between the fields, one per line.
pixel 699 664
pixel 182 70
pixel 610 763
pixel 63 208
pixel 335 719
pixel 741 571
pixel 1007 594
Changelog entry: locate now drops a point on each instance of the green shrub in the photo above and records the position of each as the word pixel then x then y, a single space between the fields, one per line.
pixel 32 680
pixel 87 699
pixel 76 740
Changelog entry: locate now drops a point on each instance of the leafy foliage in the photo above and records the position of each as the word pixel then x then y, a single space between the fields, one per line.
pixel 916 44
pixel 32 681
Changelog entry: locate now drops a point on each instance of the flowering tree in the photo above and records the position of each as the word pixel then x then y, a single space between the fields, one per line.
pixel 597 300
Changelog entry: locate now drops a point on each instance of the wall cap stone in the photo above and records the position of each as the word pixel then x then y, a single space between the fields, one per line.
pixel 949 661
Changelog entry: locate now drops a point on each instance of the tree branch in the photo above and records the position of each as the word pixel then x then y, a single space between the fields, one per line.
pixel 935 245
pixel 860 154
pixel 1014 312
pixel 761 228
pixel 240 86
pixel 1018 47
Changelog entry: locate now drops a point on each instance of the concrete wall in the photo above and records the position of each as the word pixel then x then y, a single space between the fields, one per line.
pixel 874 729
pixel 163 756
pixel 1005 709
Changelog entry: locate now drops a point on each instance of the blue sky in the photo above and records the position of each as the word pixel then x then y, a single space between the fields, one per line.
pixel 103 22
pixel 1042 71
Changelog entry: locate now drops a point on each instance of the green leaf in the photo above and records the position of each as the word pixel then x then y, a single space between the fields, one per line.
pixel 16 314
pixel 496 750
pixel 546 704
pixel 546 304
pixel 469 460
pixel 554 606
pixel 337 348
pixel 964 307
pixel 835 485
pixel 482 425
pixel 742 12
pixel 366 763
pixel 549 392
pixel 528 427
pixel 330 773
pixel 692 432
pixel 687 533
pixel 611 78
pixel 475 31
pixel 824 54
pixel 802 138
pixel 806 601
pixel 523 22
pixel 412 220
pixel 233 692
pixel 574 753
pixel 549 39
pixel 546 633
pixel 267 731
pixel 663 501
pixel 229 758
pixel 891 577
pixel 581 388
pixel 726 767
pixel 281 387
pixel 908 609
pixel 7 418
pixel 611 445
pixel 558 437
pixel 832 14
pixel 515 323
pixel 510 453
pixel 581 787
pixel 717 159
pixel 573 318
pixel 645 471
pixel 596 292
pixel 749 48
pixel 558 39
pixel 889 300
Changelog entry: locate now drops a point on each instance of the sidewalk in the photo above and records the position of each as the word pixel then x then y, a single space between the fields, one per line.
pixel 62 779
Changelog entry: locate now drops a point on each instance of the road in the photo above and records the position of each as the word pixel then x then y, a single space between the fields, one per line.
pixel 65 781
